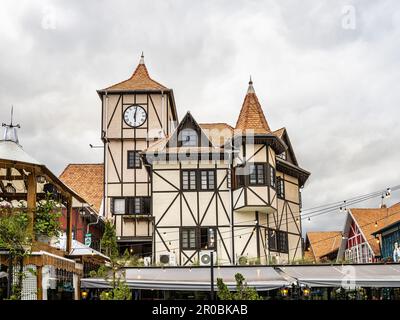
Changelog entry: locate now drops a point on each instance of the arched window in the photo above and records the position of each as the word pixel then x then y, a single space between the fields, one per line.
pixel 188 138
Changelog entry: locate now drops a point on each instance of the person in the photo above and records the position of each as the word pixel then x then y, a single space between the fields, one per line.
pixel 396 252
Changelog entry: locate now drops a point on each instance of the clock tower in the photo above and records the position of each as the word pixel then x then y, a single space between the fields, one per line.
pixel 135 113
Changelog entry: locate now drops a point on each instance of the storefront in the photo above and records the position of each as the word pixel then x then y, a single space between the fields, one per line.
pixel 305 282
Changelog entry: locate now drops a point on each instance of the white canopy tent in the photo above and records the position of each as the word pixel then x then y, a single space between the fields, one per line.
pixel 346 276
pixel 194 279
pixel 262 278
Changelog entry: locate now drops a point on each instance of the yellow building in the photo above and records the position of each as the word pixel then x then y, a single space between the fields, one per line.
pixel 179 193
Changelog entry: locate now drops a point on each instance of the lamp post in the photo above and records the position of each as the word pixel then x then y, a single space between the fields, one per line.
pixel 212 295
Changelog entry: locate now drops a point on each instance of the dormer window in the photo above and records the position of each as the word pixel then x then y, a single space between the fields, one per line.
pixel 188 138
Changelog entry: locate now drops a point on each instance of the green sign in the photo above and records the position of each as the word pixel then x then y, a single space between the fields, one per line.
pixel 88 239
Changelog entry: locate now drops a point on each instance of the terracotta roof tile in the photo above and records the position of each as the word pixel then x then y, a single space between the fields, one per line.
pixel 218 133
pixel 324 242
pixel 366 219
pixel 86 180
pixel 251 115
pixel 140 80
pixel 279 132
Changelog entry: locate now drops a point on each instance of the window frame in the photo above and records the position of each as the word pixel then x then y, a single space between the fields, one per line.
pixel 189 183
pixel 198 186
pixel 257 166
pixel 182 142
pixel 277 241
pixel 113 205
pixel 137 162
pixel 282 235
pixel 208 246
pixel 280 187
pixel 187 230
pixel 143 206
pixel 200 178
pixel 272 177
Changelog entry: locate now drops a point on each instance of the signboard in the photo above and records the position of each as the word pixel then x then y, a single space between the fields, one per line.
pixel 88 239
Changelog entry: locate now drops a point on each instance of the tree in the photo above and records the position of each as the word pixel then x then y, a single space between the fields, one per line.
pixel 243 292
pixel 109 241
pixel 47 217
pixel 16 238
pixel 119 291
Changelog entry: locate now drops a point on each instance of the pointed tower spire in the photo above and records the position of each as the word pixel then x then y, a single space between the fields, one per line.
pixel 140 80
pixel 251 88
pixel 141 59
pixel 10 130
pixel 251 115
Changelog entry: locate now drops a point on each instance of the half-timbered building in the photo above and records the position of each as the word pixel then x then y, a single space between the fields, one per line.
pixel 135 112
pixel 181 193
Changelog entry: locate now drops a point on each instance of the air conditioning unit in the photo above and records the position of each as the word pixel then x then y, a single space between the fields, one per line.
pixel 147 261
pixel 168 259
pixel 205 258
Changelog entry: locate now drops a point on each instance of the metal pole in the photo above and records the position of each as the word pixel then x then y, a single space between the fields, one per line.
pixel 212 275
pixel 10 272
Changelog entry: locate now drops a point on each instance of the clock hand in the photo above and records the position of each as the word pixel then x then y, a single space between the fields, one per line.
pixel 134 115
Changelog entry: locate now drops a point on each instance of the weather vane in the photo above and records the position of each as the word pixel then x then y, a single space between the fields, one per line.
pixel 11 124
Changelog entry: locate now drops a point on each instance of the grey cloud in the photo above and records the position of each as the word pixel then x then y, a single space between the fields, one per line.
pixel 335 90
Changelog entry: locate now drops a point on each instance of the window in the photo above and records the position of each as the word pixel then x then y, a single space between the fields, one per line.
pixel 138 205
pixel 207 179
pixel 272 240
pixel 278 241
pixel 118 206
pixel 188 138
pixel 239 177
pixel 280 187
pixel 272 177
pixel 257 174
pixel 189 179
pixel 134 160
pixel 207 238
pixel 282 241
pixel 188 238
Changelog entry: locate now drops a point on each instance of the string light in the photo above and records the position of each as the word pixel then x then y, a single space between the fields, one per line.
pixel 376 224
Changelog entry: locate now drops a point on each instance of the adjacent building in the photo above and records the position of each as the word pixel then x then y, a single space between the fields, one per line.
pixel 179 191
pixel 322 246
pixel 87 221
pixel 361 243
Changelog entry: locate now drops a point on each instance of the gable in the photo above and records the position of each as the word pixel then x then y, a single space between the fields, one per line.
pixel 290 155
pixel 187 130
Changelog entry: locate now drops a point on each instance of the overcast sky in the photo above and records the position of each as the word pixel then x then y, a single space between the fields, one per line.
pixel 329 71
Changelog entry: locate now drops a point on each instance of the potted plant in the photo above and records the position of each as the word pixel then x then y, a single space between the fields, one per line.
pixel 47 220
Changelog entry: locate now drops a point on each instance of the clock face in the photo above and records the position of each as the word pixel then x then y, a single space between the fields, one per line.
pixel 135 116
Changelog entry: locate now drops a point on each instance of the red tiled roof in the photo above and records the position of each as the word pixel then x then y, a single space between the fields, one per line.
pixel 324 242
pixel 140 80
pixel 86 180
pixel 382 217
pixel 218 133
pixel 251 115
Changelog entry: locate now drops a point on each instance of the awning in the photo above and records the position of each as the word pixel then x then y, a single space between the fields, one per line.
pixel 346 276
pixel 194 279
